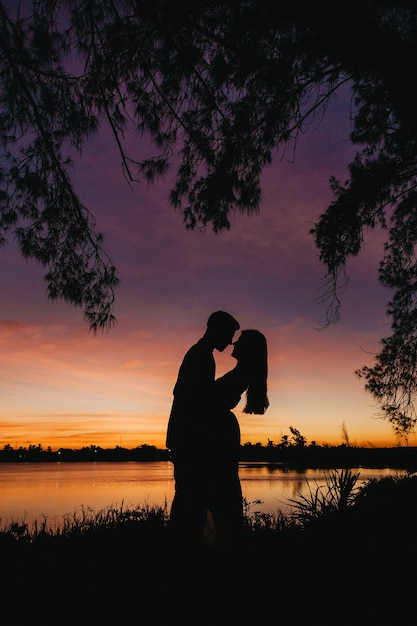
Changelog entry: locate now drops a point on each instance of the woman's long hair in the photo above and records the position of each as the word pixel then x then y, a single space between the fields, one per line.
pixel 255 356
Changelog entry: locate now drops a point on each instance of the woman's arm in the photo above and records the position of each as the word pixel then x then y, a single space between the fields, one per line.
pixel 228 390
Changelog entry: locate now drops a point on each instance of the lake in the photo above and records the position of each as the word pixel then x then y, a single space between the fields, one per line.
pixel 51 491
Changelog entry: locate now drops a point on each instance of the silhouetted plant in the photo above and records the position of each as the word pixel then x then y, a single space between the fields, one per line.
pixel 336 495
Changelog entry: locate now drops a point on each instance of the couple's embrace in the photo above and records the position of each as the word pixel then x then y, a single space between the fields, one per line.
pixel 203 432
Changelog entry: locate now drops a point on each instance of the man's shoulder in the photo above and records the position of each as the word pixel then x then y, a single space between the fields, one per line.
pixel 199 349
pixel 197 357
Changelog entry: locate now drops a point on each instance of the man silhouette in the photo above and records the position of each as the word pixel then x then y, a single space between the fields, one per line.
pixel 188 425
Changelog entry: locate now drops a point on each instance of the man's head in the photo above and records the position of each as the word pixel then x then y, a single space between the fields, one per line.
pixel 221 327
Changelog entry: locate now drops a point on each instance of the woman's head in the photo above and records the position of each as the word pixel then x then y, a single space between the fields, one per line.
pixel 250 347
pixel 251 352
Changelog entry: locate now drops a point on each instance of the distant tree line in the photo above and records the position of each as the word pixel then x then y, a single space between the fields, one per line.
pixel 289 452
pixel 294 451
pixel 35 453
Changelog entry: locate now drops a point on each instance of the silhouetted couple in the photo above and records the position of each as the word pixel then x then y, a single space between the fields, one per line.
pixel 204 435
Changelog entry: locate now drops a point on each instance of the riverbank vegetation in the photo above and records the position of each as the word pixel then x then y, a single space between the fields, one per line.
pixel 344 548
pixel 339 495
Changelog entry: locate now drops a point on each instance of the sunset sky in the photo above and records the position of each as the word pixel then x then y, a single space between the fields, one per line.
pixel 62 386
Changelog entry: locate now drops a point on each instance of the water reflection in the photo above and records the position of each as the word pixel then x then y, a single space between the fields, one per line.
pixel 276 486
pixel 38 491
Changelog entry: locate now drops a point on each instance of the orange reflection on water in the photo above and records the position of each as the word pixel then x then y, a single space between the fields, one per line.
pixel 52 491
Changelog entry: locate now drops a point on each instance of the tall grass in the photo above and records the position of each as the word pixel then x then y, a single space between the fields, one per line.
pixel 87 521
pixel 335 496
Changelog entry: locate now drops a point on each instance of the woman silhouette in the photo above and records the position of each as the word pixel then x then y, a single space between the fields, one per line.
pixel 249 376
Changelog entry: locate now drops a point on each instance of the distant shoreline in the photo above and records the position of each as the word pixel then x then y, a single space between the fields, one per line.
pixel 291 456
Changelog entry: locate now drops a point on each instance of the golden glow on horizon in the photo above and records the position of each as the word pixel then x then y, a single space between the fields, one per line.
pixel 110 439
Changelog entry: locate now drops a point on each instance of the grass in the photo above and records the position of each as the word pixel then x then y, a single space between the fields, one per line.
pixel 343 551
pixel 339 500
pixel 87 521
pixel 337 495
